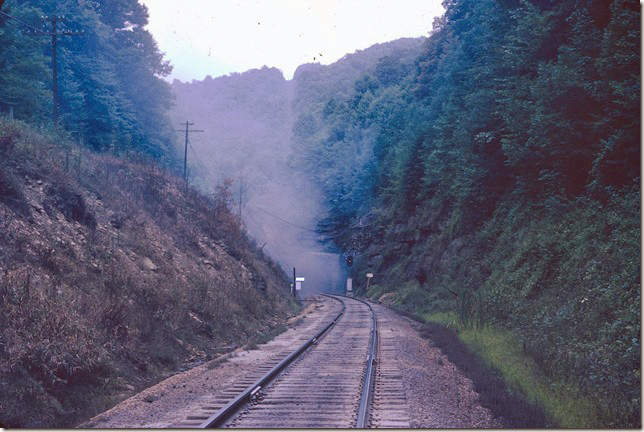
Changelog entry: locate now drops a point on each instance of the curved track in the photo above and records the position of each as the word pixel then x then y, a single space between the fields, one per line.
pixel 326 382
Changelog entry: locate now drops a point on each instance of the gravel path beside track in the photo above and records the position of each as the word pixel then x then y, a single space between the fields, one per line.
pixel 438 394
pixel 173 399
pixel 434 393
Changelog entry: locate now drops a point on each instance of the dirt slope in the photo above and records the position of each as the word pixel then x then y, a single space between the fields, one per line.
pixel 113 274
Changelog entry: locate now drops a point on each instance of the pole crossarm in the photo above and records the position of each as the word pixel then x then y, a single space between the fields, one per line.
pixel 187 130
pixel 53 33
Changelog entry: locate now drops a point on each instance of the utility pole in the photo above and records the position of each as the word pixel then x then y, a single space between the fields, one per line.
pixel 185 151
pixel 294 281
pixel 241 193
pixel 54 33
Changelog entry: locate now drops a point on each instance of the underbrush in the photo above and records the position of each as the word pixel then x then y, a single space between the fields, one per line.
pixel 496 392
pixel 561 277
pixel 567 283
pixel 113 274
pixel 567 405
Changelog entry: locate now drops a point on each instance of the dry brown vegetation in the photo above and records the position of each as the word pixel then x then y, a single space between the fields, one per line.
pixel 112 275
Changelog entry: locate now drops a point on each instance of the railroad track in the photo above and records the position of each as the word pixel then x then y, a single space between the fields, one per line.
pixel 328 381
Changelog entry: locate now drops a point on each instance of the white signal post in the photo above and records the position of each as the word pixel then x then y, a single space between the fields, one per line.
pixel 369 276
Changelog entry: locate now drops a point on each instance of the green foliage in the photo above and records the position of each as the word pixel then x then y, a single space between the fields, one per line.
pixel 566 403
pixel 111 90
pixel 25 68
pixel 577 306
pixel 498 178
pixel 375 291
pixel 336 130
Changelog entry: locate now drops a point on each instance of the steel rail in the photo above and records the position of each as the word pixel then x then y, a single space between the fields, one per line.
pixel 366 394
pixel 232 407
pixel 365 398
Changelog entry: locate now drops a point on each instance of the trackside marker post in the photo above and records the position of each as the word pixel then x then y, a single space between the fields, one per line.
pixel 369 276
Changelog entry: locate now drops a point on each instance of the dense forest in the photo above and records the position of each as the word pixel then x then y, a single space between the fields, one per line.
pixel 497 176
pixel 110 88
pixel 488 175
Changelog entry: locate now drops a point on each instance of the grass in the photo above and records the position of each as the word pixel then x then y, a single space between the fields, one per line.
pixel 510 407
pixel 500 350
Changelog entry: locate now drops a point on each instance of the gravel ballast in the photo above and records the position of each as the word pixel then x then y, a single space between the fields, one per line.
pixel 438 395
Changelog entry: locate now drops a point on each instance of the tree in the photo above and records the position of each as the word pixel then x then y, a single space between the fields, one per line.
pixel 25 71
pixel 110 80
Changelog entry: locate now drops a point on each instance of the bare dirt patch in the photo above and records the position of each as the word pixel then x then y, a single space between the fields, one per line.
pixel 173 399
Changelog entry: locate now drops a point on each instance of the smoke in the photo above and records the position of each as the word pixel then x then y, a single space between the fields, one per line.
pixel 247 121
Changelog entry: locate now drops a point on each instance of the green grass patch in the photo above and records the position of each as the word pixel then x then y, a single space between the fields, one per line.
pixel 448 319
pixel 375 291
pixel 501 350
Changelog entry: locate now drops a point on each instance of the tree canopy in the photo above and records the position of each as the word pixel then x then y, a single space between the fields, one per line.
pixel 111 90
pixel 497 164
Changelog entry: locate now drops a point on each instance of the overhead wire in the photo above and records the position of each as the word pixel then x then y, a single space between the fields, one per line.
pixel 284 220
pixel 248 207
pixel 268 238
pixel 199 163
pixel 208 174
pixel 72 57
pixel 21 49
pixel 24 23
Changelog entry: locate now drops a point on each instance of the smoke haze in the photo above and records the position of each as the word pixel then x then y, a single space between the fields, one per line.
pixel 248 137
pixel 247 121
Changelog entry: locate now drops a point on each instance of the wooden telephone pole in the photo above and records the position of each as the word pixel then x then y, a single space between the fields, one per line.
pixel 185 151
pixel 54 33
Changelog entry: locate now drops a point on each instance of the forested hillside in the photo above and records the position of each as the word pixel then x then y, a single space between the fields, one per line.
pixel 114 273
pixel 110 87
pixel 497 177
pixel 247 121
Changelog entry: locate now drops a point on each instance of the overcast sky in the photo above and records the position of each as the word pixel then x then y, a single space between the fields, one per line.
pixel 217 37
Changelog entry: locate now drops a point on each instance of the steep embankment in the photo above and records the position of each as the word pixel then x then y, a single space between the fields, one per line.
pixel 247 121
pixel 113 274
pixel 495 181
pixel 246 140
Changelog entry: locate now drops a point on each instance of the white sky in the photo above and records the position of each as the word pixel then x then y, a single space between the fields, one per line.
pixel 217 37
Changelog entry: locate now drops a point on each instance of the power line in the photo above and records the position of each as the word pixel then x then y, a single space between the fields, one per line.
pixel 201 165
pixel 268 238
pixel 72 57
pixel 259 226
pixel 185 152
pixel 24 23
pixel 18 48
pixel 285 221
pixel 208 173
